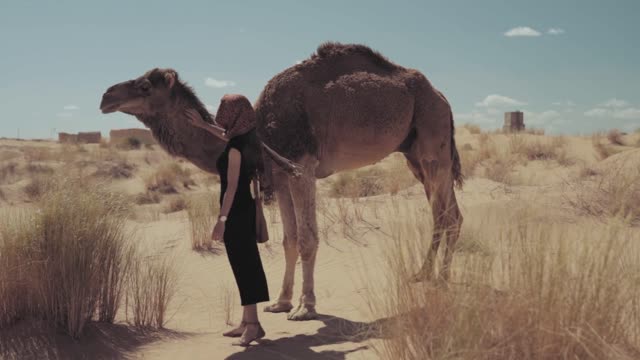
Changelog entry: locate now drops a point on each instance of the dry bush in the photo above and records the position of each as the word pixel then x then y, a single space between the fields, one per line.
pixel 175 204
pixel 120 170
pixel 202 211
pixel 602 150
pixel 8 172
pixel 538 149
pixel 500 169
pixel 614 194
pixel 228 300
pixel 615 137
pixel 130 143
pixel 152 285
pixel 473 129
pixel 39 153
pixel 168 177
pixel 372 181
pixel 544 290
pixel 33 168
pixel 66 262
pixel 534 131
pixel 147 198
pixel 6 155
pixel 37 186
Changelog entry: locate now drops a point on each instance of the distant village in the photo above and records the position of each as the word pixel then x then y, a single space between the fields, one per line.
pixel 115 136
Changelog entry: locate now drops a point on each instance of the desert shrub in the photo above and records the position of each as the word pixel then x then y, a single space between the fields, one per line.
pixel 202 211
pixel 66 261
pixel 130 143
pixel 147 198
pixel 152 285
pixel 38 153
pixel 175 204
pixel 500 169
pixel 37 186
pixel 8 172
pixel 615 137
pixel 534 131
pixel 603 151
pixel 6 155
pixel 120 170
pixel 614 194
pixel 34 168
pixel 546 290
pixel 473 129
pixel 167 179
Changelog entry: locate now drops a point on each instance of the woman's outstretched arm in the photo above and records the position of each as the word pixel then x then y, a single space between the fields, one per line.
pixel 196 120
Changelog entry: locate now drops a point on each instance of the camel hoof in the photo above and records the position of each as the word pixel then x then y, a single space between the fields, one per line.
pixel 278 308
pixel 303 313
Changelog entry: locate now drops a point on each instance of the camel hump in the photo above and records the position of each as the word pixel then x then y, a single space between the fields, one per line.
pixel 332 50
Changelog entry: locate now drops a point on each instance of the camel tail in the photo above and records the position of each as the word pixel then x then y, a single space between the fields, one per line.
pixel 456 169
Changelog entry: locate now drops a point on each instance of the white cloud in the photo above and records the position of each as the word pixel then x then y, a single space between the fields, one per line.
pixel 495 100
pixel 218 84
pixel 522 31
pixel 597 112
pixel 547 117
pixel 568 103
pixel 614 103
pixel 628 113
pixel 210 108
pixel 555 31
pixel 64 115
pixel 71 107
pixel 476 117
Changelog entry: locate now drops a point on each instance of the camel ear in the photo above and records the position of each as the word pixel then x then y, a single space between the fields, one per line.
pixel 170 78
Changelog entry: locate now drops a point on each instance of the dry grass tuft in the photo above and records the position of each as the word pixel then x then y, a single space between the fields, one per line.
pixel 615 137
pixel 152 286
pixel 122 169
pixel 147 198
pixel 372 181
pixel 66 261
pixel 168 178
pixel 175 204
pixel 473 129
pixel 37 186
pixel 602 150
pixel 614 194
pixel 543 290
pixel 8 172
pixel 202 211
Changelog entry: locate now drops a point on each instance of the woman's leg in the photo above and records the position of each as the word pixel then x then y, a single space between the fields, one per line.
pixel 253 330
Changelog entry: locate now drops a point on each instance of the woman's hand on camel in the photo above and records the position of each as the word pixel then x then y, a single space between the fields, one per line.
pixel 195 119
pixel 218 231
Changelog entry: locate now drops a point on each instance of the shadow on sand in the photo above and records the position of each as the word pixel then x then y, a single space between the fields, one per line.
pixel 335 331
pixel 36 340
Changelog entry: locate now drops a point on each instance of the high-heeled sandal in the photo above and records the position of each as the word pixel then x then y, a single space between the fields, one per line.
pixel 233 334
pixel 247 342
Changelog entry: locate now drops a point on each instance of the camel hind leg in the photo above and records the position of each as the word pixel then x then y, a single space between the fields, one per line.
pixel 431 160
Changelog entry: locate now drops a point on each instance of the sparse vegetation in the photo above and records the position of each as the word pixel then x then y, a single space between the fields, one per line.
pixel 152 286
pixel 175 204
pixel 615 137
pixel 147 198
pixel 202 211
pixel 120 170
pixel 473 129
pixel 168 178
pixel 544 290
pixel 130 143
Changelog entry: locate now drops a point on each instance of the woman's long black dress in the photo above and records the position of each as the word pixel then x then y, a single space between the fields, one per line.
pixel 240 230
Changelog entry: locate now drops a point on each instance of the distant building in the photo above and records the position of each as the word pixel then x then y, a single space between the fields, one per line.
pixel 83 137
pixel 513 122
pixel 144 135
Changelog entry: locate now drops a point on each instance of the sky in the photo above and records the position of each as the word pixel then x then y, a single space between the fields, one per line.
pixel 570 65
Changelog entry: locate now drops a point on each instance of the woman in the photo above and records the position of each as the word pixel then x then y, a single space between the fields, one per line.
pixel 237 166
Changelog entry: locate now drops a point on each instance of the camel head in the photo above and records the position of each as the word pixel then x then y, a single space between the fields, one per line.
pixel 148 95
pixel 159 100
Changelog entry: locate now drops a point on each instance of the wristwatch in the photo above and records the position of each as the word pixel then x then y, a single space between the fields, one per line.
pixel 222 218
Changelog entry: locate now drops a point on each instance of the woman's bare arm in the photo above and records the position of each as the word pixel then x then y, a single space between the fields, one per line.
pixel 196 120
pixel 233 173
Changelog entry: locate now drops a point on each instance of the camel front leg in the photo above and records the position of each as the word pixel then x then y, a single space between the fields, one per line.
pixel 290 244
pixel 303 192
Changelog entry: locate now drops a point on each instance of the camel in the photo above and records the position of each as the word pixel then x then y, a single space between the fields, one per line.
pixel 345 107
